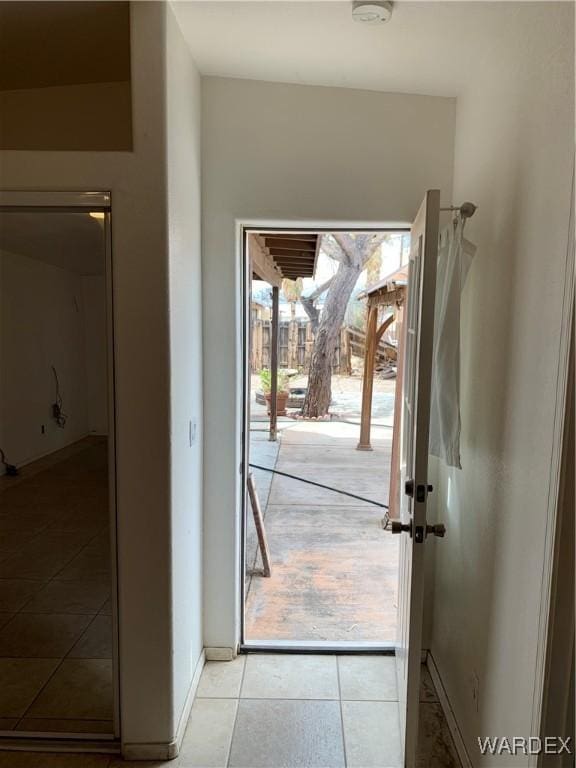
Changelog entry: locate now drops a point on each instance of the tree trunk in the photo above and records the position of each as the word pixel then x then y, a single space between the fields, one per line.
pixel 319 394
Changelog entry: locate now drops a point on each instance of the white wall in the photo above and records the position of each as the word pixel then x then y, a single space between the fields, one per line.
pixel 42 325
pixel 514 158
pixel 95 352
pixel 284 152
pixel 139 241
pixel 157 325
pixel 185 286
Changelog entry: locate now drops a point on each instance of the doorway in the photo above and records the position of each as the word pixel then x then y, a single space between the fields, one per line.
pixel 58 627
pixel 329 575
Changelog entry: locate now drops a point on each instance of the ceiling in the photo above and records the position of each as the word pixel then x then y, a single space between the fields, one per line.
pixel 63 43
pixel 426 48
pixel 71 241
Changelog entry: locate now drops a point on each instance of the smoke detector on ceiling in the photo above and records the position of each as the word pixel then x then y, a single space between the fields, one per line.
pixel 376 12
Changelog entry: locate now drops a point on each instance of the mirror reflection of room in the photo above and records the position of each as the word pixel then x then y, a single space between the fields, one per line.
pixel 55 580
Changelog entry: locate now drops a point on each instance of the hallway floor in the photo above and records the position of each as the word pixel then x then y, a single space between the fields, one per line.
pixel 307 711
pixel 290 711
pixel 334 569
pixel 55 615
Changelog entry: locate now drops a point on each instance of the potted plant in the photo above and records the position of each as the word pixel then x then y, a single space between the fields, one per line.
pixel 282 393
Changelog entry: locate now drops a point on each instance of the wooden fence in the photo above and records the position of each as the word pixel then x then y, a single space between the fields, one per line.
pixel 386 352
pixel 295 341
pixel 295 347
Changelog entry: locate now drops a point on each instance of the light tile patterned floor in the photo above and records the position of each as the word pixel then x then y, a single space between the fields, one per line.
pixel 307 711
pixel 290 711
pixel 55 624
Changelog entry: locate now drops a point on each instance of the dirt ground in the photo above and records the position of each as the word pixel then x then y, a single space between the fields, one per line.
pixel 340 384
pixel 346 397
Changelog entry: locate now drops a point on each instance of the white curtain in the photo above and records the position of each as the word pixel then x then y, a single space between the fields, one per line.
pixel 455 255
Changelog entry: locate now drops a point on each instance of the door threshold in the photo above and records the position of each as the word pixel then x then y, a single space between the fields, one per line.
pixel 318 646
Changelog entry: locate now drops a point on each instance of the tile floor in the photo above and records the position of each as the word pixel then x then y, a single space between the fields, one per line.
pixel 55 622
pixel 290 711
pixel 307 711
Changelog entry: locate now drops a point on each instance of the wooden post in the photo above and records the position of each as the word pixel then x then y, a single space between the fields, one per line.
pixel 274 363
pixel 382 330
pixel 259 525
pixel 393 494
pixel 368 380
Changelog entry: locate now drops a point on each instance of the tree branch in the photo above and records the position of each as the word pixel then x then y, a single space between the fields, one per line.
pixel 347 245
pixel 375 242
pixel 332 249
pixel 319 290
pixel 310 308
pixel 360 247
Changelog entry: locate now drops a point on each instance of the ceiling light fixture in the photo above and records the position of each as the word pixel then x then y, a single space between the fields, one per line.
pixel 376 12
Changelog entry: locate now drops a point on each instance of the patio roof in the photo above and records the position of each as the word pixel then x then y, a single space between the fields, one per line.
pixel 389 291
pixel 291 254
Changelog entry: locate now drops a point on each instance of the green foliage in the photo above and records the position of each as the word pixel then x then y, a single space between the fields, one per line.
pixel 266 381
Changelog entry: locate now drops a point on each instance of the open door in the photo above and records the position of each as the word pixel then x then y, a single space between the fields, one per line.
pixel 414 486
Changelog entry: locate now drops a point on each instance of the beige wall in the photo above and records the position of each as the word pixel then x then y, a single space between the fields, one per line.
pixel 139 242
pixel 65 76
pixel 289 153
pixel 96 352
pixel 42 324
pixel 86 117
pixel 514 157
pixel 157 335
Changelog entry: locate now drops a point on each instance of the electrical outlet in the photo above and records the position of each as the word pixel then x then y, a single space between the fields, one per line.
pixel 192 429
pixel 475 686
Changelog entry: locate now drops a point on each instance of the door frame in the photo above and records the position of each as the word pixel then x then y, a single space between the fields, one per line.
pixel 558 684
pixel 548 622
pixel 75 201
pixel 243 228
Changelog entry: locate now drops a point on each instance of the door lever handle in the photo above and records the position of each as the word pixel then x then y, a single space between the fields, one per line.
pixel 421 490
pixel 439 529
pixel 398 527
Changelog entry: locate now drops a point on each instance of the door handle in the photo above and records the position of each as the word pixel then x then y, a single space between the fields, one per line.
pixel 421 490
pixel 439 529
pixel 398 527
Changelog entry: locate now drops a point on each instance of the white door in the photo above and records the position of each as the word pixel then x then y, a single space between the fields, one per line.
pixel 414 487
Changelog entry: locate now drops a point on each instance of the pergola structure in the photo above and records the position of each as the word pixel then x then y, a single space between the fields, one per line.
pixel 389 293
pixel 274 256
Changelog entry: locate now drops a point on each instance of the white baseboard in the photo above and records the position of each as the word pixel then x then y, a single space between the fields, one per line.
pixel 220 654
pixel 151 751
pixel 169 750
pixel 184 717
pixel 448 712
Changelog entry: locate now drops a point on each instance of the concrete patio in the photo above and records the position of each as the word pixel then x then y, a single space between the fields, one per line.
pixel 334 568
